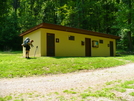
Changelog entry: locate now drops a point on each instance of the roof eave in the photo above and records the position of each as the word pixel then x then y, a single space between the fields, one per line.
pixel 69 29
pixel 31 30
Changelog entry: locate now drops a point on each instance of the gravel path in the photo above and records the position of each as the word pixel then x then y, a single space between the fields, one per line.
pixel 61 82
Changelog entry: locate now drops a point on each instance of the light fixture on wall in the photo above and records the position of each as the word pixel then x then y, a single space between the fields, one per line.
pixel 82 43
pixel 57 40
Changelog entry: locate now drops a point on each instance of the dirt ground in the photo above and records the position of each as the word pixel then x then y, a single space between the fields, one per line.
pixel 43 86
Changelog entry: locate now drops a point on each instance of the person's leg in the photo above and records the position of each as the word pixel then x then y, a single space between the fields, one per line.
pixel 27 53
pixel 28 50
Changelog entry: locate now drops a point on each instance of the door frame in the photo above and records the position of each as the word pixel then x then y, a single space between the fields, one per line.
pixel 111 48
pixel 50 48
pixel 88 47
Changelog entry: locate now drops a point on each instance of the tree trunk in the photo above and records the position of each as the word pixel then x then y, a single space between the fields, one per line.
pixel 129 24
pixel 130 45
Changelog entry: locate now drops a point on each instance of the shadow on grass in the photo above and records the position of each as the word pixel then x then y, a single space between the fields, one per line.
pixel 84 57
pixel 10 52
pixel 118 55
pixel 31 58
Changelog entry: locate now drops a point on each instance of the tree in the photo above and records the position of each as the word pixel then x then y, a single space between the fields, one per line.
pixel 114 17
pixel 125 20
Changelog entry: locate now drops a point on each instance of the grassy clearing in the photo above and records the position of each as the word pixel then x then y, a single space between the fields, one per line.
pixel 12 64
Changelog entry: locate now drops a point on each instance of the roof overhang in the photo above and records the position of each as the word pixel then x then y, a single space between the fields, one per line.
pixel 68 29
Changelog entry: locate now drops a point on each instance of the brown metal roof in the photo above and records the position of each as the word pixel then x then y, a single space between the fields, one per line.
pixel 68 29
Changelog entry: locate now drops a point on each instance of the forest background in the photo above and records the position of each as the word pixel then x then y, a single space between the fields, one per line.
pixel 114 17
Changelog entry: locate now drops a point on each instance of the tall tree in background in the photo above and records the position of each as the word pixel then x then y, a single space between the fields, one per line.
pixel 30 13
pixel 50 12
pixel 114 17
pixel 3 14
pixel 129 33
pixel 9 25
pixel 125 20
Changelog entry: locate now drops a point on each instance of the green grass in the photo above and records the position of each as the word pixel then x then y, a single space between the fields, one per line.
pixel 127 84
pixel 7 98
pixel 69 92
pixel 113 82
pixel 108 92
pixel 105 92
pixel 127 57
pixel 12 64
pixel 132 93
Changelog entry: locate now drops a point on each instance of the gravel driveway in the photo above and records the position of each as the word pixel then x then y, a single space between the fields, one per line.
pixel 44 85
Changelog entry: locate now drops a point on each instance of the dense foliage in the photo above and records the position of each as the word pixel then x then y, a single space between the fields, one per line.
pixel 114 17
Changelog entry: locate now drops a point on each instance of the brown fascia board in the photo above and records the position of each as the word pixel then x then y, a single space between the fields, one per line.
pixel 69 29
pixel 31 30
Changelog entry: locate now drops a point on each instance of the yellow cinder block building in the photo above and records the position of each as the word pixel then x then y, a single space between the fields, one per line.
pixel 56 40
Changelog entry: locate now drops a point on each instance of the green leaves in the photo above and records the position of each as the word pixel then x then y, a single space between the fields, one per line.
pixel 106 16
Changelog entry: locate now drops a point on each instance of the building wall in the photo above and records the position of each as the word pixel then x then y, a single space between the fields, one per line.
pixel 103 49
pixel 43 42
pixel 67 47
pixel 35 35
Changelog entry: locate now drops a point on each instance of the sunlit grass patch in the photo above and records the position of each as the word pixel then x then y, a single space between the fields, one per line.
pixel 69 92
pixel 132 93
pixel 7 98
pixel 12 64
pixel 127 84
pixel 105 92
pixel 112 82
pixel 109 90
pixel 127 57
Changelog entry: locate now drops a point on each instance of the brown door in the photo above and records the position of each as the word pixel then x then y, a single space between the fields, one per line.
pixel 87 46
pixel 111 48
pixel 50 44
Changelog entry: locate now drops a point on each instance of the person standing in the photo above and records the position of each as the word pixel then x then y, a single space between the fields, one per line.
pixel 27 43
